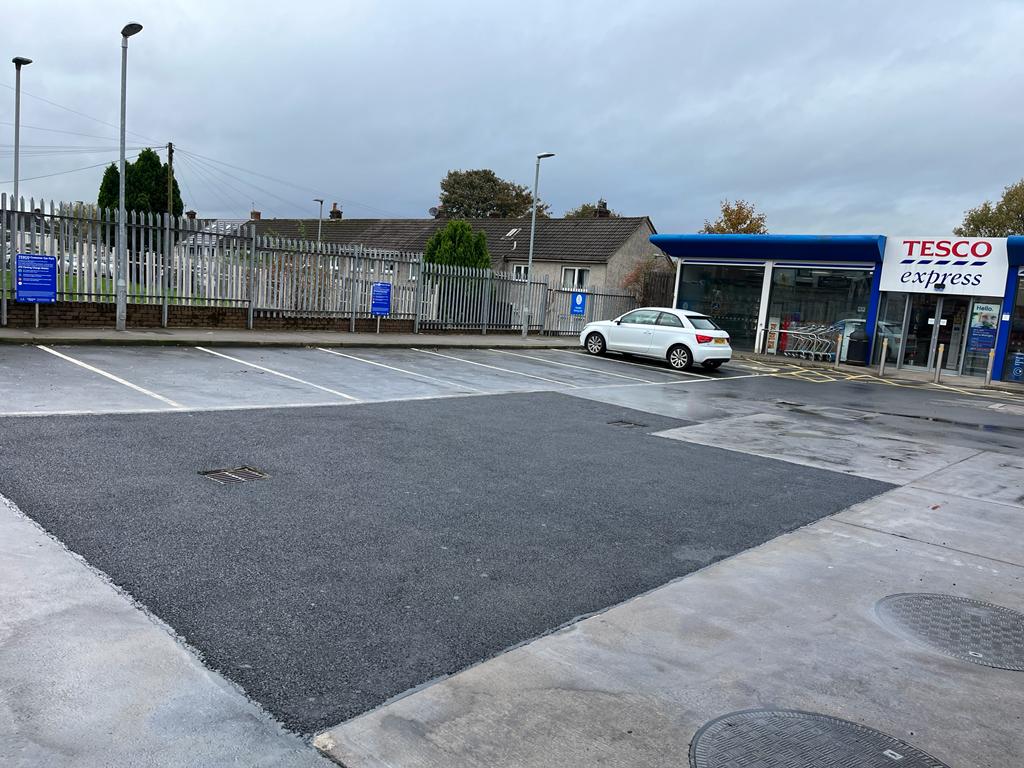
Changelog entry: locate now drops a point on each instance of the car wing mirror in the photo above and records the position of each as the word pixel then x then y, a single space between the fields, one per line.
pixel 618 322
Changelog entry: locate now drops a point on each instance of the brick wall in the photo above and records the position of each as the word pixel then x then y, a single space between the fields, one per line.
pixel 74 314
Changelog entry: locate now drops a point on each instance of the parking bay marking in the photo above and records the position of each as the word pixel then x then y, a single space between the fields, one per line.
pixel 570 365
pixel 495 367
pixel 647 366
pixel 112 377
pixel 400 370
pixel 278 373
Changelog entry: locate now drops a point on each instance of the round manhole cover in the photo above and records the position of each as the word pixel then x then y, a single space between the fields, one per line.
pixel 970 630
pixel 783 738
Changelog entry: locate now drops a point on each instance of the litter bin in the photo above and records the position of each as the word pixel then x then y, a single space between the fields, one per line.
pixel 857 348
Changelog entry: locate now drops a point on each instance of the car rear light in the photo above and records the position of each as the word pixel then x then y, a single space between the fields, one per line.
pixel 704 339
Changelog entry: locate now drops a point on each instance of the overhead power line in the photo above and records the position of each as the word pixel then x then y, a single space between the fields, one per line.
pixel 58 130
pixel 70 170
pixel 80 114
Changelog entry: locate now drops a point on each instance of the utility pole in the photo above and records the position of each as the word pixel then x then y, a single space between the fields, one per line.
pixel 170 179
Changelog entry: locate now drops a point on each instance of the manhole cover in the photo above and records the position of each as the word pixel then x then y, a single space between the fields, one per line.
pixel 969 630
pixel 784 738
pixel 235 475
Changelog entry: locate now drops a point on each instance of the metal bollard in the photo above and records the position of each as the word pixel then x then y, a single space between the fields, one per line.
pixel 839 349
pixel 938 362
pixel 885 353
pixel 988 370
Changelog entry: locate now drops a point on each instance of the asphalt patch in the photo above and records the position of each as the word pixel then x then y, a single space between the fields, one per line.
pixel 395 542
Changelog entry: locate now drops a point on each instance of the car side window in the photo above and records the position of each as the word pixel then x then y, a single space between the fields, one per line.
pixel 641 317
pixel 666 318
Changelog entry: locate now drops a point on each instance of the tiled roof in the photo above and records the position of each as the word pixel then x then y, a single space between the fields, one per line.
pixel 575 240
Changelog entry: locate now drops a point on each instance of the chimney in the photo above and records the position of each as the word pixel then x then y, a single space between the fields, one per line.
pixel 601 210
pixel 335 212
pixel 254 215
pixel 191 215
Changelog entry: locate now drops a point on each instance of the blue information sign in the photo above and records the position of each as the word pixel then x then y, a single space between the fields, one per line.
pixel 380 299
pixel 1017 367
pixel 35 279
pixel 579 304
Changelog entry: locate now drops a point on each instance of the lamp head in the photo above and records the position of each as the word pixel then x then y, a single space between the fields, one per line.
pixel 20 61
pixel 131 28
pixel 542 155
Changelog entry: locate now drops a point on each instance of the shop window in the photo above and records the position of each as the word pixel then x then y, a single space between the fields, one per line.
pixel 812 307
pixel 1013 368
pixel 730 295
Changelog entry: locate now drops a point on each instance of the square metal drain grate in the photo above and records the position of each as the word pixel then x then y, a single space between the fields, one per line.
pixel 626 424
pixel 236 475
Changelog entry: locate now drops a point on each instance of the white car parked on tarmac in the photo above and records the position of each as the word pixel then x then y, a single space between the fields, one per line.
pixel 679 336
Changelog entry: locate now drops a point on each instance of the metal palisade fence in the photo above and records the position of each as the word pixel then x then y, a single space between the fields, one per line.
pixel 200 262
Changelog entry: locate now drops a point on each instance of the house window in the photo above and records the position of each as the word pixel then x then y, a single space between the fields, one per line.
pixel 519 271
pixel 575 278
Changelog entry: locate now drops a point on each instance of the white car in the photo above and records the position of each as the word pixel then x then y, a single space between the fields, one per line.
pixel 679 336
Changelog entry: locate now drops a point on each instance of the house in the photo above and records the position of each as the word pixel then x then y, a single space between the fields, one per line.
pixel 595 254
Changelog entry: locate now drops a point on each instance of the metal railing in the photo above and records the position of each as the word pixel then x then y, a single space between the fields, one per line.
pixel 174 261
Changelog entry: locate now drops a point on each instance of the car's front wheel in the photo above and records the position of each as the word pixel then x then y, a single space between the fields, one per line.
pixel 595 344
pixel 679 357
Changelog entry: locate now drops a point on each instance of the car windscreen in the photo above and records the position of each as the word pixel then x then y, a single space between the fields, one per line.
pixel 703 323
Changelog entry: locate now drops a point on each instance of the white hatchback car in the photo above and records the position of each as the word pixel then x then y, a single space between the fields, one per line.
pixel 679 336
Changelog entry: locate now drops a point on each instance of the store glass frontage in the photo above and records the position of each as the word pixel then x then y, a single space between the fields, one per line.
pixel 920 326
pixel 1013 368
pixel 811 307
pixel 731 294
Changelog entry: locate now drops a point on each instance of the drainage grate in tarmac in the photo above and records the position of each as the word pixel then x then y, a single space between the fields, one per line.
pixel 969 630
pixel 236 475
pixel 784 738
pixel 626 424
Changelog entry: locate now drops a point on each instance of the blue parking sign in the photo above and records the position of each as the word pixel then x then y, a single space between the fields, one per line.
pixel 579 304
pixel 380 299
pixel 35 278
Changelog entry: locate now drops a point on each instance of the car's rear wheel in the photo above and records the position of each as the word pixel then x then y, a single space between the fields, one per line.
pixel 679 357
pixel 712 365
pixel 595 344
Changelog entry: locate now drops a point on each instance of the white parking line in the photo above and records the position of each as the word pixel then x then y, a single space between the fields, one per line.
pixel 278 373
pixel 111 376
pixel 620 361
pixel 400 370
pixel 570 365
pixel 495 368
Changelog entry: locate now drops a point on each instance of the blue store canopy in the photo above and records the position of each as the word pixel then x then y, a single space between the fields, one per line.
pixel 867 248
pixel 1015 250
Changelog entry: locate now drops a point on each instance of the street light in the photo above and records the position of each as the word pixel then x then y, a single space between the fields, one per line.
pixel 533 231
pixel 320 220
pixel 132 28
pixel 19 62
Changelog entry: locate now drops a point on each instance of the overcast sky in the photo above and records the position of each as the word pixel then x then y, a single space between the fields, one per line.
pixel 840 116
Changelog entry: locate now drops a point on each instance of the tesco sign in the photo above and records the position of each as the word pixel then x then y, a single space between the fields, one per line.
pixel 969 266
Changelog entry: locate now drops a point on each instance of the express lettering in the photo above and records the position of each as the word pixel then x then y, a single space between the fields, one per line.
pixel 930 278
pixel 957 248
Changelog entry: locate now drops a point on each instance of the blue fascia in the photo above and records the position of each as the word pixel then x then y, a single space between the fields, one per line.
pixel 815 248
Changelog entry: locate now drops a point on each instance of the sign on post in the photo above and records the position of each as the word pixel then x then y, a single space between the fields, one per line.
pixel 380 299
pixel 35 279
pixel 579 304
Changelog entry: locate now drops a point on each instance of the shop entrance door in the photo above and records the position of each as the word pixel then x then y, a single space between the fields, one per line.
pixel 934 320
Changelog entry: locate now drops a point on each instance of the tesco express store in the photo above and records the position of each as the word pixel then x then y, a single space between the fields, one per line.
pixel 793 295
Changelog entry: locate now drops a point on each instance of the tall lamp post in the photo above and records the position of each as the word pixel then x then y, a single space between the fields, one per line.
pixel 533 231
pixel 19 62
pixel 130 29
pixel 320 220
